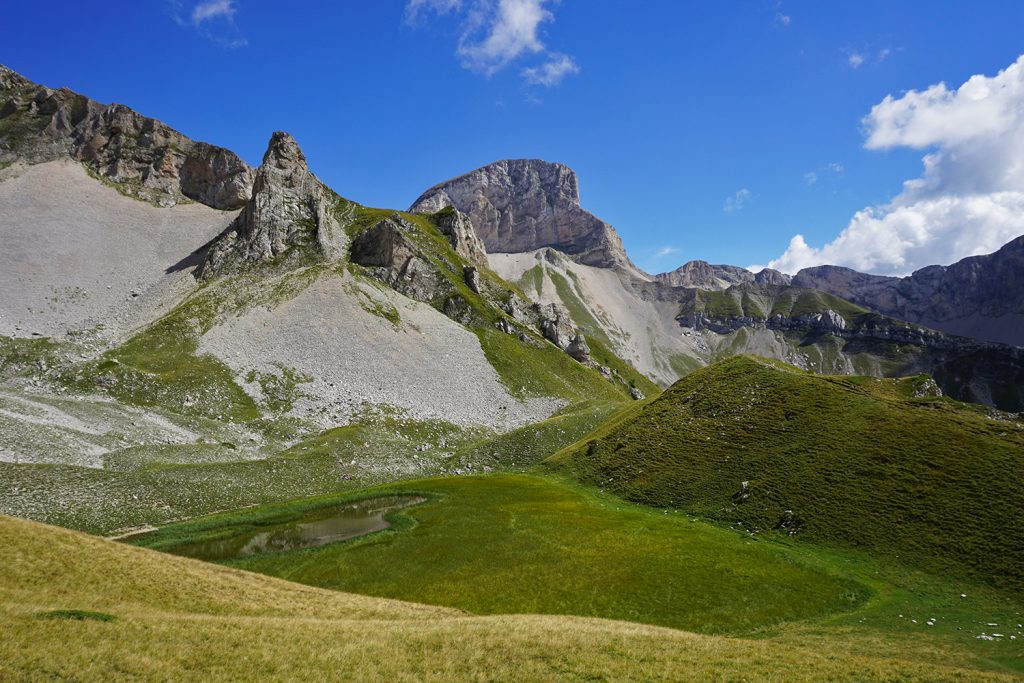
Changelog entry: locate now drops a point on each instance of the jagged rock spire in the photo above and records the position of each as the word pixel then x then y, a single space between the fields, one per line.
pixel 289 208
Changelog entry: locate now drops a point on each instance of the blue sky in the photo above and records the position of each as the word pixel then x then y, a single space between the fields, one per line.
pixel 705 130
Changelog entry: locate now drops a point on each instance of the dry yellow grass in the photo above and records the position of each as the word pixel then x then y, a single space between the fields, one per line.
pixel 179 619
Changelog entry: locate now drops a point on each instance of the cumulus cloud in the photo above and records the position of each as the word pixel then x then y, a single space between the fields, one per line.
pixel 551 72
pixel 496 33
pixel 212 19
pixel 855 59
pixel 499 36
pixel 736 201
pixel 969 199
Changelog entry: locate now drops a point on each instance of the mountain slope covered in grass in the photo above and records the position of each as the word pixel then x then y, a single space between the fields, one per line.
pixel 878 464
pixel 69 604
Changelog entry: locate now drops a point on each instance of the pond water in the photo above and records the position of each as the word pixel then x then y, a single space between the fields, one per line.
pixel 312 529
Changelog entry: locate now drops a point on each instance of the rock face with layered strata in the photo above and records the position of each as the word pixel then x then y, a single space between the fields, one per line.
pixel 979 296
pixel 142 156
pixel 520 205
pixel 289 208
pixel 388 249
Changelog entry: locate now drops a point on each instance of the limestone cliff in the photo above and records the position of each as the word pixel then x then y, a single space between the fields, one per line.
pixel 979 296
pixel 142 156
pixel 520 205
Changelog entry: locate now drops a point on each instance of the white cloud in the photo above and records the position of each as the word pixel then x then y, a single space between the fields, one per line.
pixel 496 33
pixel 811 177
pixel 500 36
pixel 415 8
pixel 551 72
pixel 212 9
pixel 783 19
pixel 212 19
pixel 970 197
pixel 665 251
pixel 855 59
pixel 883 54
pixel 736 201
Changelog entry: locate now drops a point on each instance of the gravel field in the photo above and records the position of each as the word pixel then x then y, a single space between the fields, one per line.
pixel 77 254
pixel 426 365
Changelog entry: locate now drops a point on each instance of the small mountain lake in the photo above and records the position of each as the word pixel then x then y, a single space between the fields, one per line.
pixel 313 529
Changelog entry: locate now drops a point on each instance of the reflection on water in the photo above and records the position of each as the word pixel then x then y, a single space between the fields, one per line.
pixel 315 528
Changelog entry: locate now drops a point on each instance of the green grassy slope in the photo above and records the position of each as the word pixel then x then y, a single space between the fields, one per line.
pixel 522 544
pixel 859 461
pixel 178 619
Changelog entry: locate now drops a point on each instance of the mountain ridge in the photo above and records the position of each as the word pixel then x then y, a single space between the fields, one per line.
pixel 144 157
pixel 978 296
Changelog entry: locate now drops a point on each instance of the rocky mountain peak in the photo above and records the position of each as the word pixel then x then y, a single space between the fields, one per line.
pixel 289 208
pixel 772 277
pixel 144 157
pixel 703 275
pixel 283 152
pixel 520 205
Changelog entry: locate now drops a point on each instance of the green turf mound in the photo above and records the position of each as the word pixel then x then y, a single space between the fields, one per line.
pixel 871 463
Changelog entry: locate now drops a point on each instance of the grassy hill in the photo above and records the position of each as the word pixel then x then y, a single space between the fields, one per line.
pixel 502 545
pixel 859 462
pixel 80 608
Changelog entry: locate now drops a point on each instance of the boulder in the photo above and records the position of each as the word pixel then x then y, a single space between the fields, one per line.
pixel 472 278
pixel 578 348
pixel 555 324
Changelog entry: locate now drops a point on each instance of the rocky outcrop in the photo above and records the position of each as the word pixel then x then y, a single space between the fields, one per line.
pixel 966 369
pixel 979 296
pixel 388 249
pixel 472 277
pixel 142 156
pixel 554 323
pixel 521 205
pixel 289 208
pixel 578 348
pixel 456 226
